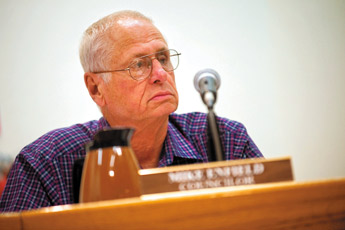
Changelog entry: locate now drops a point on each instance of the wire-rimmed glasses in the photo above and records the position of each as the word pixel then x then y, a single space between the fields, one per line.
pixel 141 67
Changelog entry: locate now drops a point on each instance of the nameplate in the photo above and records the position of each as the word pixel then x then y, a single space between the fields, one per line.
pixel 215 174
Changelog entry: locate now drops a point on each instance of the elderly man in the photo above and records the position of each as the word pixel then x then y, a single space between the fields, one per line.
pixel 129 73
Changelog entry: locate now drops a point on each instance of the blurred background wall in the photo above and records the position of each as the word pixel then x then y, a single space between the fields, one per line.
pixel 281 64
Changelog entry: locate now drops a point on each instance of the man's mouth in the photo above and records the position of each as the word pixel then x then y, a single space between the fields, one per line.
pixel 161 96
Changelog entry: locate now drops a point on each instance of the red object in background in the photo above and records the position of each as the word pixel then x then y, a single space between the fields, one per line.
pixel 4 170
pixel 2 184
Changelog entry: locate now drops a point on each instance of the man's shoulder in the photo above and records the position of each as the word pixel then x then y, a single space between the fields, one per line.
pixel 63 140
pixel 194 120
pixel 196 123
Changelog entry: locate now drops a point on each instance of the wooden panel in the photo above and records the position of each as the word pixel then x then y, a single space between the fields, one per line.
pixel 10 221
pixel 283 205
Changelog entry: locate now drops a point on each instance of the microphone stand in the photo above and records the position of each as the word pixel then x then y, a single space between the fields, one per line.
pixel 215 151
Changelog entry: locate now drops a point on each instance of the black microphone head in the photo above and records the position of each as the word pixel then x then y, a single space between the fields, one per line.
pixel 205 73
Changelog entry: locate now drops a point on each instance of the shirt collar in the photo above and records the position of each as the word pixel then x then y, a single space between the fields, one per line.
pixel 177 145
pixel 104 123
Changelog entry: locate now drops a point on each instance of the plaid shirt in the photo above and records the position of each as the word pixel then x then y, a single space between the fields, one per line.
pixel 42 172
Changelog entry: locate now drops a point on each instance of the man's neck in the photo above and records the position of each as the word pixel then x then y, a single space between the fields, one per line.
pixel 148 139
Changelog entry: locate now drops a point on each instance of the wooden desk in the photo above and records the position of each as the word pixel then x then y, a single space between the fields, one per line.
pixel 10 221
pixel 283 205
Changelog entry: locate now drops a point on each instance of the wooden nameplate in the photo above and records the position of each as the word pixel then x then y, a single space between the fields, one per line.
pixel 215 174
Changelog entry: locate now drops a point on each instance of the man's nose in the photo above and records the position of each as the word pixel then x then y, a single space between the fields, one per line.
pixel 158 75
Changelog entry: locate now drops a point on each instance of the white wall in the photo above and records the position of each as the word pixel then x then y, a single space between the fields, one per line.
pixel 281 64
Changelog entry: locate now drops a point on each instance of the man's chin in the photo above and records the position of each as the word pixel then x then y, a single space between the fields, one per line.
pixel 165 110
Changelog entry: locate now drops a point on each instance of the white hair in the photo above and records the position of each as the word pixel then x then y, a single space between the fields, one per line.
pixel 96 47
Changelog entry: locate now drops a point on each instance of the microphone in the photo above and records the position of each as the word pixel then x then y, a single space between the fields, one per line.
pixel 206 82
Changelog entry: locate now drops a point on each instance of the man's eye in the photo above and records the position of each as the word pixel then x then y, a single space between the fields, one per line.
pixel 138 64
pixel 162 59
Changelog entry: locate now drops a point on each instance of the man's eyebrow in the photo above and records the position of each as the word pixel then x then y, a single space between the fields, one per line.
pixel 138 55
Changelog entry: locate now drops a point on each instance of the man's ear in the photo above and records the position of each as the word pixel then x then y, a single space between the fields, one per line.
pixel 94 84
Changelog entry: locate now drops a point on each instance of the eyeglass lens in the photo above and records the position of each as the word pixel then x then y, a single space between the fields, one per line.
pixel 142 67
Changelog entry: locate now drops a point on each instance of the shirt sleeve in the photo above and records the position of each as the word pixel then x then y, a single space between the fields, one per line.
pixel 251 150
pixel 23 189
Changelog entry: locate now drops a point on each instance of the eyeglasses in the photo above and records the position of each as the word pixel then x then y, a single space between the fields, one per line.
pixel 141 67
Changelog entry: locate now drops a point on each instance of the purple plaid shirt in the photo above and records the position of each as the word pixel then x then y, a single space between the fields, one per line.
pixel 42 172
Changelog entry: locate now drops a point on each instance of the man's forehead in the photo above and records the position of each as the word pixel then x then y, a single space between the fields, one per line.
pixel 128 22
pixel 131 37
pixel 132 31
